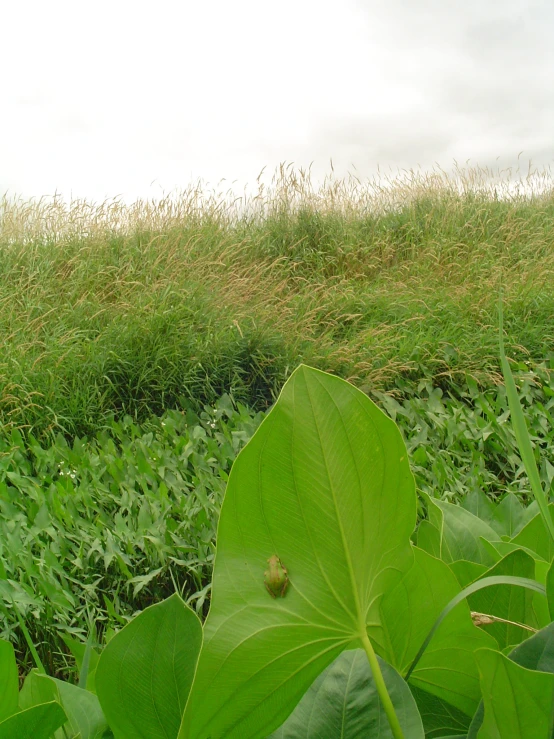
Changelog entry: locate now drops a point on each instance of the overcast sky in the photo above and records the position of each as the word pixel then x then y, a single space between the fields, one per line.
pixel 102 99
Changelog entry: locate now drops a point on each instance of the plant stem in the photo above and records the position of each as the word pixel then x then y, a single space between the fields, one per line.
pixel 382 688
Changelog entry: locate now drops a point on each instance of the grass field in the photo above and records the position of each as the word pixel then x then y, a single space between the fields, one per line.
pixel 123 328
pixel 116 309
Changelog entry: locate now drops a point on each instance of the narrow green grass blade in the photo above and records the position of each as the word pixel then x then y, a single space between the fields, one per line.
pixel 521 432
pixel 38 663
pixel 524 582
pixel 83 674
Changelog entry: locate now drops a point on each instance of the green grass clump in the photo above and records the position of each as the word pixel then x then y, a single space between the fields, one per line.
pixel 116 310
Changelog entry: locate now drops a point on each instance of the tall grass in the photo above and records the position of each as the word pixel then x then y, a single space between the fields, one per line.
pixel 129 309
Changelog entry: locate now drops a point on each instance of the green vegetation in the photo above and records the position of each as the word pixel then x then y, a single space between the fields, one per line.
pixel 128 310
pixel 141 350
pixel 93 531
pixel 325 487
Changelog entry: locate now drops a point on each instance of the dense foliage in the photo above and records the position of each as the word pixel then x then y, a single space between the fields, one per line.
pixel 121 310
pixel 462 623
pixel 93 531
pixel 144 346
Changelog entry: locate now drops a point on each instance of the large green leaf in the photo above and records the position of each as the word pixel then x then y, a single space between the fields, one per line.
pixel 517 701
pixel 38 688
pixel 38 722
pixel 343 703
pixel 85 718
pixel 507 518
pixel 461 533
pixel 144 674
pixel 428 538
pixel 536 537
pixel 324 485
pixel 9 683
pixel 511 603
pixel 439 717
pixel 536 653
pixel 467 572
pixel 409 611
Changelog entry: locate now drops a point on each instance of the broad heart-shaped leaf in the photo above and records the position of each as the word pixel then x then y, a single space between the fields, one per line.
pixel 85 718
pixel 343 703
pixel 517 701
pixel 507 518
pixel 37 688
pixel 461 533
pixel 467 572
pixel 9 682
pixel 536 653
pixel 429 538
pixel 535 536
pixel 509 602
pixel 447 668
pixel 38 722
pixel 324 485
pixel 145 672
pixel 440 719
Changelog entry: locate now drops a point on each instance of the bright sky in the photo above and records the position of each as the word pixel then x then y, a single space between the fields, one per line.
pixel 102 99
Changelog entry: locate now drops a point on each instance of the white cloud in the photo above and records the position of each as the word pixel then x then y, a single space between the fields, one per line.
pixel 102 99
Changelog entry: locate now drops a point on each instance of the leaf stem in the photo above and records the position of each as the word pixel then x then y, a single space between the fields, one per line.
pixel 381 687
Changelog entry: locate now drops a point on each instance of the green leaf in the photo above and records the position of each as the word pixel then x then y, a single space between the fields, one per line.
pixel 465 593
pixel 460 533
pixel 325 485
pixel 343 702
pixel 37 688
pixel 550 590
pixel 83 710
pixel 537 652
pixel 410 610
pixel 78 650
pixel 534 536
pixel 508 602
pixel 439 717
pixel 517 701
pixel 429 538
pixel 510 516
pixel 9 681
pixel 144 674
pixel 467 572
pixel 507 518
pixel 38 722
pixel 85 718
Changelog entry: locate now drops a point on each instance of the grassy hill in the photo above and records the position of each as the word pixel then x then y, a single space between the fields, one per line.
pixel 111 309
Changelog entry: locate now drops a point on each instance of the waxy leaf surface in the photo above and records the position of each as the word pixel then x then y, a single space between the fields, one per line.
pixel 144 674
pixel 343 703
pixel 325 485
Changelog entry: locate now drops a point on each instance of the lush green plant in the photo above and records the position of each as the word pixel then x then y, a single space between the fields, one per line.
pixel 93 532
pixel 112 310
pixel 150 495
pixel 324 486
